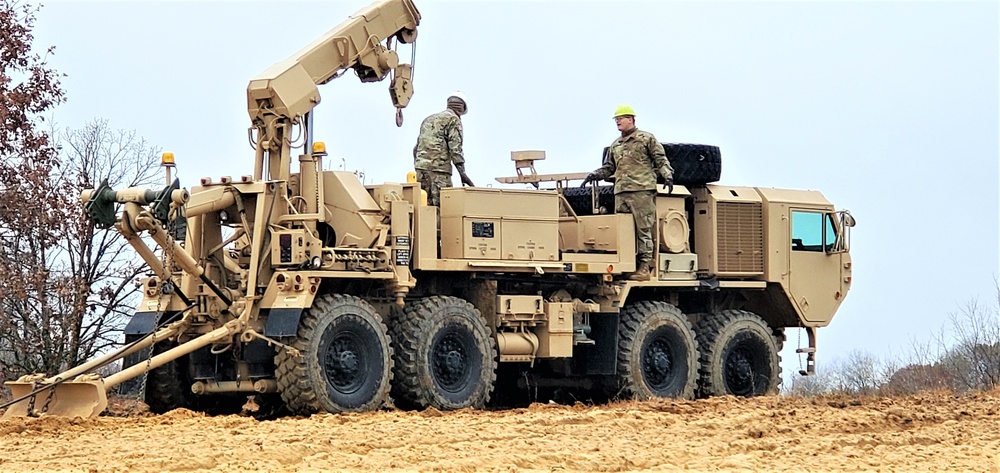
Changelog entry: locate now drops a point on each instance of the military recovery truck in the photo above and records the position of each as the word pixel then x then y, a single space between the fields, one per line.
pixel 319 293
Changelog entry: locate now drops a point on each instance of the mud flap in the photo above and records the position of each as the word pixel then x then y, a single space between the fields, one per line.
pixel 282 322
pixel 602 357
pixel 142 323
pixel 83 397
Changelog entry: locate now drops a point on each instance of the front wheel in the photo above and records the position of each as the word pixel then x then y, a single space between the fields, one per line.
pixel 169 386
pixel 657 352
pixel 345 362
pixel 739 355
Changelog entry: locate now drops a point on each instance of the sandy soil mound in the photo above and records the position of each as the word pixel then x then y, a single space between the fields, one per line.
pixel 928 432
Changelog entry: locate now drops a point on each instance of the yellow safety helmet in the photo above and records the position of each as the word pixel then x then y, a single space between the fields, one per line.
pixel 624 111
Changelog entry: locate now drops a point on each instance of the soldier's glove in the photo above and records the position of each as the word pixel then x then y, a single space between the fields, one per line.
pixel 466 180
pixel 668 184
pixel 465 177
pixel 592 177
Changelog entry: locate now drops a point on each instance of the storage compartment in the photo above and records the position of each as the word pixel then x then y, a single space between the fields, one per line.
pixel 534 239
pixel 520 308
pixel 677 266
pixel 555 339
pixel 483 223
pixel 470 238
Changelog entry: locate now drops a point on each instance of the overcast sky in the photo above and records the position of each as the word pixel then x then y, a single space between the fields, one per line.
pixel 889 108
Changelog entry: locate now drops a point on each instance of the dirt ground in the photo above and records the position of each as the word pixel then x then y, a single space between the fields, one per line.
pixel 928 432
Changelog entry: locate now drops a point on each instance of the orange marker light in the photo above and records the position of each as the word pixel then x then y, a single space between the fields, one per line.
pixel 319 149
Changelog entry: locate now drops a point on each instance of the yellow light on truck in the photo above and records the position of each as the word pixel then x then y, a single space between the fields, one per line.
pixel 411 177
pixel 319 148
pixel 167 159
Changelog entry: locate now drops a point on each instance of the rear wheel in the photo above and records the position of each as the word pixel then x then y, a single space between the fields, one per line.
pixel 346 359
pixel 445 355
pixel 657 352
pixel 739 355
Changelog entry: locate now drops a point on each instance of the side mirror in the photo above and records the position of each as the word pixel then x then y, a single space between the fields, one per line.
pixel 846 219
pixel 842 244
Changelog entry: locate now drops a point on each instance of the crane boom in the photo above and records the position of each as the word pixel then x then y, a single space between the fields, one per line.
pixel 286 92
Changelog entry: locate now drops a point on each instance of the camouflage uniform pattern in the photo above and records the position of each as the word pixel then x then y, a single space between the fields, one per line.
pixel 642 206
pixel 634 159
pixel 432 182
pixel 439 143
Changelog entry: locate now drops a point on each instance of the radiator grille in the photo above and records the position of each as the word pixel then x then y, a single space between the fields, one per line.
pixel 741 237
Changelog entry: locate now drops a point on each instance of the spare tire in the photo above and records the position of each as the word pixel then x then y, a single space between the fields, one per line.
pixel 581 200
pixel 693 164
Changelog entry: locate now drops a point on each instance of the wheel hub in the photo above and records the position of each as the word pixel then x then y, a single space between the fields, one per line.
pixel 349 361
pixel 657 363
pixel 344 365
pixel 450 363
pixel 739 373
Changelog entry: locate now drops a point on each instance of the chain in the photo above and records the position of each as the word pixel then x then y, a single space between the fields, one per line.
pixel 48 400
pixel 166 262
pixel 798 344
pixel 31 400
pixel 145 377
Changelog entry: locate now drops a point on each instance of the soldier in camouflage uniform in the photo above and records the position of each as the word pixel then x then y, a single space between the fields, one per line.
pixel 634 159
pixel 438 146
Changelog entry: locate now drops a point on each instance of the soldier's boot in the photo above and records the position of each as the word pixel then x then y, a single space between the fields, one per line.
pixel 641 273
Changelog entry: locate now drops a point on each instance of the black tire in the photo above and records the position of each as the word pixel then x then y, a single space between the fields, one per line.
pixel 580 199
pixel 168 387
pixel 739 355
pixel 446 357
pixel 694 165
pixel 346 362
pixel 657 352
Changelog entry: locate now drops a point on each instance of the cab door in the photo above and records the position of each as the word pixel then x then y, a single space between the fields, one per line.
pixel 815 280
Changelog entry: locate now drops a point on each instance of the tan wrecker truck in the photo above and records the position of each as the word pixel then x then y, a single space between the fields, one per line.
pixel 313 292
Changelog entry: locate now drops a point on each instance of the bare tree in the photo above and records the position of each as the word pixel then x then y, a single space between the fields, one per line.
pixel 101 261
pixel 973 361
pixel 821 383
pixel 860 374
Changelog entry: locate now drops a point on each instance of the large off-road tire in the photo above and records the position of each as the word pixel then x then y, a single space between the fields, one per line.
pixel 345 362
pixel 582 202
pixel 169 386
pixel 657 352
pixel 739 355
pixel 446 357
pixel 693 164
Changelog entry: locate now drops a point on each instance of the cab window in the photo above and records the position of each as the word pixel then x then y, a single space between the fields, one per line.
pixel 812 231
